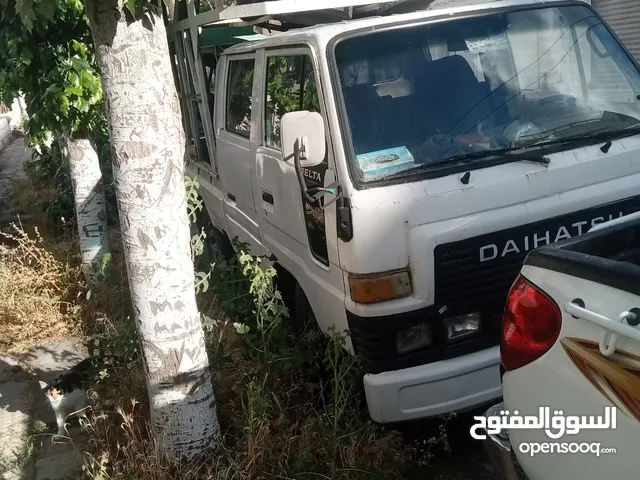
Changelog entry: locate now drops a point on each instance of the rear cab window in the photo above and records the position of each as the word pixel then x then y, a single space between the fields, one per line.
pixel 239 96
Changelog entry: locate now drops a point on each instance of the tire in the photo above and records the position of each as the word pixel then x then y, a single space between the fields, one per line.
pixel 222 243
pixel 216 240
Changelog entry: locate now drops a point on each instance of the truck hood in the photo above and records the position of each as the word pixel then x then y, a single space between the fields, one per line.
pixel 399 226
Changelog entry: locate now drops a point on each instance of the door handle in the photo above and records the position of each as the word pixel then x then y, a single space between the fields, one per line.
pixel 231 197
pixel 267 197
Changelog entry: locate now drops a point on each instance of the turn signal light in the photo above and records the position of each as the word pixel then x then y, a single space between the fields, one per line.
pixel 530 326
pixel 378 288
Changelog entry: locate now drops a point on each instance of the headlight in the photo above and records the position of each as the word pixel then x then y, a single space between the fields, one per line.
pixel 413 338
pixel 462 326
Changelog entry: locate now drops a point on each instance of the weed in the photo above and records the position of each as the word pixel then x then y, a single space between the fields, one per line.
pixel 38 293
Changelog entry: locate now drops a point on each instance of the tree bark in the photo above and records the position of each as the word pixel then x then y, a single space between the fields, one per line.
pixel 148 144
pixel 91 209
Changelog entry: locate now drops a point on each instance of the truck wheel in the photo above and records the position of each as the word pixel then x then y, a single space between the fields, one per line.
pixel 216 240
pixel 222 244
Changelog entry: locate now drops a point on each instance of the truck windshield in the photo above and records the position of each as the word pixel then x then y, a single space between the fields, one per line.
pixel 425 94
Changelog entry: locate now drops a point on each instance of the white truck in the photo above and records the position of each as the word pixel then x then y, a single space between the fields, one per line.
pixel 571 343
pixel 399 167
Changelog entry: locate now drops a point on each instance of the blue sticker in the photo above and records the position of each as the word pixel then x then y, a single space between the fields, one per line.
pixel 385 161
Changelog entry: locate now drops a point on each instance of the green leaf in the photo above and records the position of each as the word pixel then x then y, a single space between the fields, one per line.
pixel 26 56
pixel 81 105
pixel 74 79
pixel 131 6
pixel 241 328
pixel 73 91
pixel 26 12
pixel 64 104
pixel 46 9
pixel 80 48
pixel 80 64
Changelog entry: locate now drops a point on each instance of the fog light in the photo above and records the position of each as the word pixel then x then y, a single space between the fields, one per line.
pixel 413 338
pixel 462 326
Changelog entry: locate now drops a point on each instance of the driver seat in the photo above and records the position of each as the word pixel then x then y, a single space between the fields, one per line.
pixel 455 100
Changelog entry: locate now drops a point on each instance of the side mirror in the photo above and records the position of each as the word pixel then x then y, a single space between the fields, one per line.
pixel 302 135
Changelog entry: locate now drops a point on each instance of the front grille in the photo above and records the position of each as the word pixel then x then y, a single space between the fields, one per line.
pixel 465 284
pixel 477 273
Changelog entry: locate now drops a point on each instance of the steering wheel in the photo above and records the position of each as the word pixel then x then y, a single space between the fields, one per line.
pixel 560 98
pixel 439 146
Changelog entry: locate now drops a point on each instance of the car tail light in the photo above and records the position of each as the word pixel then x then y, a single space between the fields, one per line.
pixel 530 326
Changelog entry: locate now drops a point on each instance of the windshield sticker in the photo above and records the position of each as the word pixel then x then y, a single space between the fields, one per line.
pixel 385 161
pixel 487 44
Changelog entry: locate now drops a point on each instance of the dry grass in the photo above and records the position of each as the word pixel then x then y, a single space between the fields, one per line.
pixel 38 292
pixel 25 195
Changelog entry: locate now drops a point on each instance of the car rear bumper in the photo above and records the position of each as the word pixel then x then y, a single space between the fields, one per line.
pixel 498 449
pixel 429 390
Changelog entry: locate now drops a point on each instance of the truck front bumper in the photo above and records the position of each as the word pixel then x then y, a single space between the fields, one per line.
pixel 425 391
pixel 498 449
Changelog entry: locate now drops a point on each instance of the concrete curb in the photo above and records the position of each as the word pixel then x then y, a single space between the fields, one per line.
pixel 6 134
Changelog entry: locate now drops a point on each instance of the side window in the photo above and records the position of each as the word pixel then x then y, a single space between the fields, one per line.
pixel 239 93
pixel 291 86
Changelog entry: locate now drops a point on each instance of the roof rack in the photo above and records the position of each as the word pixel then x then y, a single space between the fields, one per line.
pixel 282 15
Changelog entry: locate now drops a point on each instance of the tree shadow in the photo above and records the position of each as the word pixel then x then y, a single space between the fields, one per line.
pixel 15 389
pixel 47 362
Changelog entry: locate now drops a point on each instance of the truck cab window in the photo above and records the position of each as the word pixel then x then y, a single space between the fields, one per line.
pixel 239 92
pixel 291 86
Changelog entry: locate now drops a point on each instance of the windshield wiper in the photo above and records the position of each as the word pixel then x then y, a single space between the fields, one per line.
pixel 590 138
pixel 509 154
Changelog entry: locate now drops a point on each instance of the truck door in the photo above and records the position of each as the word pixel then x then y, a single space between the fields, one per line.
pixel 235 150
pixel 293 230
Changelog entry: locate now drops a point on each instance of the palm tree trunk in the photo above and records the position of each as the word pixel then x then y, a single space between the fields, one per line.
pixel 148 144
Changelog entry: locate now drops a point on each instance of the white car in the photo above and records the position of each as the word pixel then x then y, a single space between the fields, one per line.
pixel 571 342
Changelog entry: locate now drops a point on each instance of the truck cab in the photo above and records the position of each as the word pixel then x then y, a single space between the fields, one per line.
pixel 398 167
